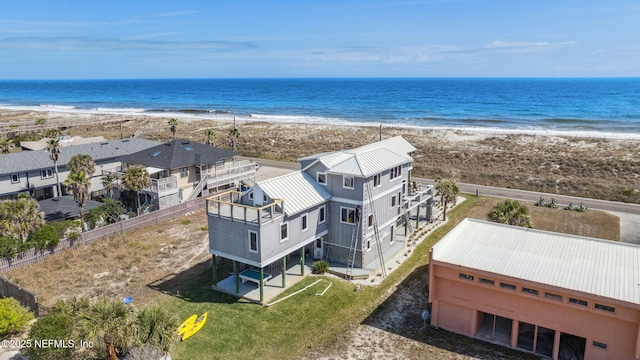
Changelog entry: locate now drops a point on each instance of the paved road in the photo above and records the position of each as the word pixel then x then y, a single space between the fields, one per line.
pixel 629 214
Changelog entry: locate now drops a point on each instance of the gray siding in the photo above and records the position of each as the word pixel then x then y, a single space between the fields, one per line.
pixel 232 238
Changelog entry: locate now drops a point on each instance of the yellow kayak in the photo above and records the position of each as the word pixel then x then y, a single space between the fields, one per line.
pixel 187 324
pixel 197 325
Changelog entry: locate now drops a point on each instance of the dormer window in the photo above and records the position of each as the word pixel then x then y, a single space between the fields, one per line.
pixel 322 178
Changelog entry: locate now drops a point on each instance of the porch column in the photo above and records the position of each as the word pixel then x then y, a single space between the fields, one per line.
pixel 514 333
pixel 236 276
pixel 302 261
pixel 556 346
pixel 417 216
pixel 261 285
pixel 214 269
pixel 284 271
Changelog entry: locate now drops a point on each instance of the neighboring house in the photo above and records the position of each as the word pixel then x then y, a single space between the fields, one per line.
pixel 557 295
pixel 65 141
pixel 344 206
pixel 33 171
pixel 183 169
pixel 64 208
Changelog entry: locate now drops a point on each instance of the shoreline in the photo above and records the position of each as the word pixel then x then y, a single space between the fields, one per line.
pixel 599 168
pixel 223 116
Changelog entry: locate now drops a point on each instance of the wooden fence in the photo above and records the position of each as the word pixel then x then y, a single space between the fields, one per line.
pixel 33 256
pixel 28 299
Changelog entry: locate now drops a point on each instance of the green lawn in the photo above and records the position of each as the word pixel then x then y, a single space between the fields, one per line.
pixel 236 329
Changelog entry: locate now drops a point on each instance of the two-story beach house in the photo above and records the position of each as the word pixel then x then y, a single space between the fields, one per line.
pixel 33 171
pixel 183 169
pixel 347 207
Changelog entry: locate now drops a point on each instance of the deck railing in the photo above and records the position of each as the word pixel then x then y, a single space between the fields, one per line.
pixel 227 173
pixel 163 185
pixel 227 205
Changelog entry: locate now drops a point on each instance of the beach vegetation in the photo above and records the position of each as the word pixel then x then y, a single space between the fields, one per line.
pixel 20 217
pixel 46 236
pixel 41 121
pixel 108 183
pixel 510 212
pixel 107 213
pixel 82 163
pixel 5 145
pixel 13 316
pixel 78 183
pixel 55 149
pixel 52 133
pixel 447 190
pixel 210 137
pixel 136 178
pixel 551 203
pixel 541 202
pixel 173 126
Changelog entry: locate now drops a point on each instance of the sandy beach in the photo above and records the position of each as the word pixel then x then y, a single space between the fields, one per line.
pixel 601 168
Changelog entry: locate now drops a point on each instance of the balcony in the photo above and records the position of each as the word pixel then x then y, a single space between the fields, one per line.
pixel 227 205
pixel 228 173
pixel 163 186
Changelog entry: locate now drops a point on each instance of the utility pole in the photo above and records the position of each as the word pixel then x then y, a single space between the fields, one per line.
pixel 380 132
pixel 235 132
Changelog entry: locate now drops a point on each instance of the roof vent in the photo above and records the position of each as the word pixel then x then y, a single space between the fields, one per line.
pixel 125 140
pixel 104 143
pixel 185 143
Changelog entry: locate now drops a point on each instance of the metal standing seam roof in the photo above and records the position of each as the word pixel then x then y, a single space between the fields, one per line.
pixel 367 160
pixel 298 190
pixel 599 267
pixel 39 159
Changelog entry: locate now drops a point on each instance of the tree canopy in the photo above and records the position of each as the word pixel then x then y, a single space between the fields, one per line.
pixel 510 212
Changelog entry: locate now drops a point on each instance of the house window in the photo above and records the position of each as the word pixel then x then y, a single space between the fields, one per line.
pixel 322 178
pixel 376 180
pixel 530 291
pixel 486 281
pixel 553 296
pixel 368 244
pixel 251 195
pixel 392 234
pixel 264 198
pixel 393 201
pixel 347 215
pixel 46 173
pixel 184 172
pixel 507 286
pixel 305 225
pixel 605 308
pixel 465 276
pixel 347 182
pixel 15 178
pixel 284 231
pixel 322 215
pixel 370 220
pixel 578 302
pixel 253 241
pixel 600 345
pixel 395 172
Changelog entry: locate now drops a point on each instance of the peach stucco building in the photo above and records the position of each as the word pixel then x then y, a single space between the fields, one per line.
pixel 557 295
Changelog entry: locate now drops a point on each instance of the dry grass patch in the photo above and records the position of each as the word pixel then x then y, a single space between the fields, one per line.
pixel 121 265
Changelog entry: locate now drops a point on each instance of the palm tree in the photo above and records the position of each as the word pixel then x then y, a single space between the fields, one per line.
pixel 20 217
pixel 52 133
pixel 54 149
pixel 5 145
pixel 136 178
pixel 510 212
pixel 234 134
pixel 210 137
pixel 156 327
pixel 108 182
pixel 79 184
pixel 109 321
pixel 447 190
pixel 82 163
pixel 173 126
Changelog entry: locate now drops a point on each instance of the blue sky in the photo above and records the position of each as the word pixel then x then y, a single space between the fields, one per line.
pixel 246 39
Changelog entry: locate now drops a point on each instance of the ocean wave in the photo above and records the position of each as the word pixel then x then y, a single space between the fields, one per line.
pixel 60 107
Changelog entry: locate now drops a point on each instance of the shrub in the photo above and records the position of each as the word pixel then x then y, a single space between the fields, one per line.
pixel 186 222
pixel 13 316
pixel 320 267
pixel 44 237
pixel 9 246
pixel 57 325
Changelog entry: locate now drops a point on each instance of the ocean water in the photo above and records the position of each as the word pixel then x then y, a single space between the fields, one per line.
pixel 581 107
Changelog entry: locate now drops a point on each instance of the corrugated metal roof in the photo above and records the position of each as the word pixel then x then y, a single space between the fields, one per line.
pixel 298 190
pixel 39 159
pixel 599 267
pixel 369 159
